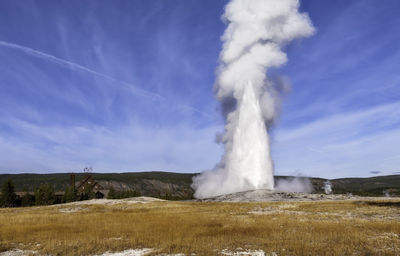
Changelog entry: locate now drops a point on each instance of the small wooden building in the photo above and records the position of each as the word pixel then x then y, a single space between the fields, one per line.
pixel 88 181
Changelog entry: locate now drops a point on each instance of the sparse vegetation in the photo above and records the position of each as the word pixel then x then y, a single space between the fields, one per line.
pixel 295 228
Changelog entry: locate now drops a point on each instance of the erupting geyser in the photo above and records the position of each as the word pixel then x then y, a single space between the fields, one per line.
pixel 249 162
pixel 257 30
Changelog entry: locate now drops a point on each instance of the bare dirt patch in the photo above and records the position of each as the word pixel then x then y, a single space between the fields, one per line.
pixel 133 200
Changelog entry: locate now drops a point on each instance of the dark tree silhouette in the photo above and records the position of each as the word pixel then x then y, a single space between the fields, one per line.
pixel 44 195
pixel 8 197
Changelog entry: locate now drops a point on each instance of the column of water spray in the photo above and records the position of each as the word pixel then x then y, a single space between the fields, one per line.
pixel 256 32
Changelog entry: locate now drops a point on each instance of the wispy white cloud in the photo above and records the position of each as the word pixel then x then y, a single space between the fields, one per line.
pixel 73 109
pixel 72 65
pixel 134 147
pixel 342 145
pixel 75 66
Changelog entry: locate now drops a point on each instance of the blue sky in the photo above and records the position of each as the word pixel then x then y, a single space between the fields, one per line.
pixel 127 86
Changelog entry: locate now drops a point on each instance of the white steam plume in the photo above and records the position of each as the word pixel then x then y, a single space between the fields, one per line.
pixel 328 187
pixel 257 30
pixel 294 184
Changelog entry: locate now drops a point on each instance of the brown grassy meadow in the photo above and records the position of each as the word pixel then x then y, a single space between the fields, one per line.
pixel 286 228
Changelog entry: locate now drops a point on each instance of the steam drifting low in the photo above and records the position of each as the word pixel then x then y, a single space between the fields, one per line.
pixel 252 43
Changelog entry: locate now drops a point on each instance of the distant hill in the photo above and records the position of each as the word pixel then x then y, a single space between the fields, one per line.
pixel 156 184
pixel 177 185
pixel 373 186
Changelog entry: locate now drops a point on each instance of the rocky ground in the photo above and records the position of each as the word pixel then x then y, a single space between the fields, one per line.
pixel 265 195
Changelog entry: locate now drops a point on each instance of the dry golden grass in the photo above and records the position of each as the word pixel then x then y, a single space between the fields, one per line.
pixel 296 228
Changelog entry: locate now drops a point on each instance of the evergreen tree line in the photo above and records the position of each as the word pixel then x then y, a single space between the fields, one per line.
pixel 43 195
pixel 114 194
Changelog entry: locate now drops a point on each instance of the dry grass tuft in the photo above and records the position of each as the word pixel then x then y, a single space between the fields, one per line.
pixel 295 228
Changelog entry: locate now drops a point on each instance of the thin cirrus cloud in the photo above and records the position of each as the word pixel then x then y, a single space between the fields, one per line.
pixel 346 144
pixel 65 63
pixel 71 148
pixel 127 86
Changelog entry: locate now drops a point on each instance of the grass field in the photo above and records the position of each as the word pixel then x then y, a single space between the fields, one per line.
pixel 283 228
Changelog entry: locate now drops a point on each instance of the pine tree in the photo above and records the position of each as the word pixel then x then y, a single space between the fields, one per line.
pixel 111 193
pixel 8 197
pixel 88 191
pixel 124 194
pixel 27 199
pixel 44 195
pixel 70 194
pixel 137 193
